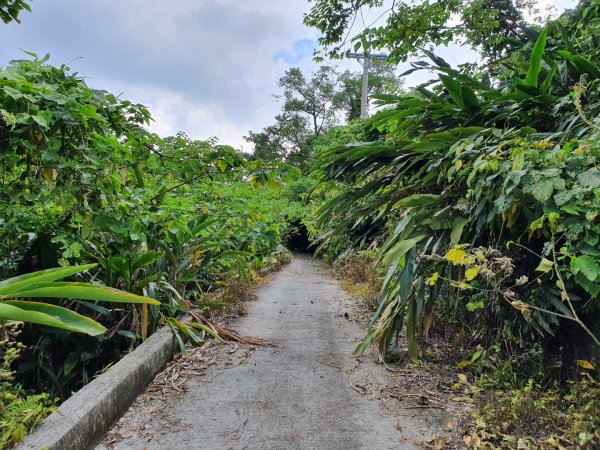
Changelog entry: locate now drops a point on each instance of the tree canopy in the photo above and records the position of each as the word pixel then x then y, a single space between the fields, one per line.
pixel 312 106
pixel 490 25
pixel 10 9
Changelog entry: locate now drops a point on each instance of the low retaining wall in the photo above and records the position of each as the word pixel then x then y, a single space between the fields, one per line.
pixel 87 415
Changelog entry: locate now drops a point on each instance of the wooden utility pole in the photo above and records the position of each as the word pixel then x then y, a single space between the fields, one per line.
pixel 366 63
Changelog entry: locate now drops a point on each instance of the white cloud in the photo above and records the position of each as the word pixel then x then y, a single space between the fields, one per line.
pixel 172 112
pixel 206 67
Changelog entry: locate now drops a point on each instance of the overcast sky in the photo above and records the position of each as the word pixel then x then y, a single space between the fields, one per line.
pixel 206 67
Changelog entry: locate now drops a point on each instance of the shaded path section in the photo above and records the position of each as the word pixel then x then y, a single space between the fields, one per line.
pixel 307 393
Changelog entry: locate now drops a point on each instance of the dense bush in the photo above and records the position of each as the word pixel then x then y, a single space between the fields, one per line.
pixel 83 182
pixel 487 187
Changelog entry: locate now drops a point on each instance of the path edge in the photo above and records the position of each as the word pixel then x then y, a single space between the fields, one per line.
pixel 86 416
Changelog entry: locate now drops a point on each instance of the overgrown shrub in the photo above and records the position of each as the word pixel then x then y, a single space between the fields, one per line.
pixel 19 412
pixel 486 190
pixel 83 182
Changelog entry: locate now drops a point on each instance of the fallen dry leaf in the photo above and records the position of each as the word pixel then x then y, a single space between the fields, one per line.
pixel 462 399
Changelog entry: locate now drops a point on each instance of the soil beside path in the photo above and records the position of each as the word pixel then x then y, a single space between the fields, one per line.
pixel 305 393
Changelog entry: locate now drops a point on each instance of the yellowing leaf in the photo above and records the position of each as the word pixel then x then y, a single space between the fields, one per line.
pixel 581 150
pixel 197 256
pixel 545 266
pixel 433 279
pixel 585 364
pixel 145 322
pixel 462 399
pixel 458 164
pixel 49 174
pixel 468 440
pixel 518 304
pixel 471 273
pixel 456 256
pixel 511 215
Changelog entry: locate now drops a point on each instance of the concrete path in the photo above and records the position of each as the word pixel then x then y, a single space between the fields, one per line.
pixel 306 393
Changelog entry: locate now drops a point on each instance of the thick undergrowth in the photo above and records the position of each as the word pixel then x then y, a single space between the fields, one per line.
pixel 83 183
pixel 479 192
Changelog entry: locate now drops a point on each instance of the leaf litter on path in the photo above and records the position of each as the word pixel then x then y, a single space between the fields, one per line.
pixel 198 363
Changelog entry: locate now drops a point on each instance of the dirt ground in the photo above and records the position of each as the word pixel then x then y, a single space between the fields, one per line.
pixel 304 392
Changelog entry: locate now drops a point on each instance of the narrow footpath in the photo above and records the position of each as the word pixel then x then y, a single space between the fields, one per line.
pixel 307 392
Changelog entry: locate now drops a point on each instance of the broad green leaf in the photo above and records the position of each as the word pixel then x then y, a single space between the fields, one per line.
pixel 401 248
pixel 586 265
pixel 589 286
pixel 365 344
pixel 566 54
pixel 586 66
pixel 590 178
pixel 82 291
pixel 50 315
pixel 545 87
pixel 565 36
pixel 206 329
pixel 469 98
pixel 535 64
pixel 457 229
pixel 145 259
pixel 417 200
pixel 13 284
pixel 454 89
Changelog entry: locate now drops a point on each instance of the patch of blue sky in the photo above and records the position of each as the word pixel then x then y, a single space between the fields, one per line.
pixel 301 49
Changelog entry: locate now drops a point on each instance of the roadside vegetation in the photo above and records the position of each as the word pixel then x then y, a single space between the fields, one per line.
pixel 85 189
pixel 478 192
pixel 466 210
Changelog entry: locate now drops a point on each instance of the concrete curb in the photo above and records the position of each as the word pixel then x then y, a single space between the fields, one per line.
pixel 83 418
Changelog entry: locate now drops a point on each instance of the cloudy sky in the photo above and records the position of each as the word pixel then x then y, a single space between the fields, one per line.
pixel 207 67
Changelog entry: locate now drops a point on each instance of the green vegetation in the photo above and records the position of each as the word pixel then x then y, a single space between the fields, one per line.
pixel 311 107
pixel 465 209
pixel 479 192
pixel 508 170
pixel 10 9
pixel 84 187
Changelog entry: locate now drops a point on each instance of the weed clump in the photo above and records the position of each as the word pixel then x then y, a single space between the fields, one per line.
pixel 538 418
pixel 19 412
pixel 360 277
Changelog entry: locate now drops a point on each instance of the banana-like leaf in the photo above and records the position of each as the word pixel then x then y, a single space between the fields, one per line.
pixel 401 249
pixel 586 66
pixel 454 89
pixel 14 284
pixel 206 329
pixel 535 65
pixel 469 98
pixel 545 87
pixel 81 291
pixel 145 259
pixel 417 200
pixel 50 315
pixel 365 344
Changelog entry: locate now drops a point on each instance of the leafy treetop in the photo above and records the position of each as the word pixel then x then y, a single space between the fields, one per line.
pixel 409 27
pixel 10 9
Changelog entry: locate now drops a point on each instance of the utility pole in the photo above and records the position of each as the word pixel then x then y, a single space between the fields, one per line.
pixel 366 63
